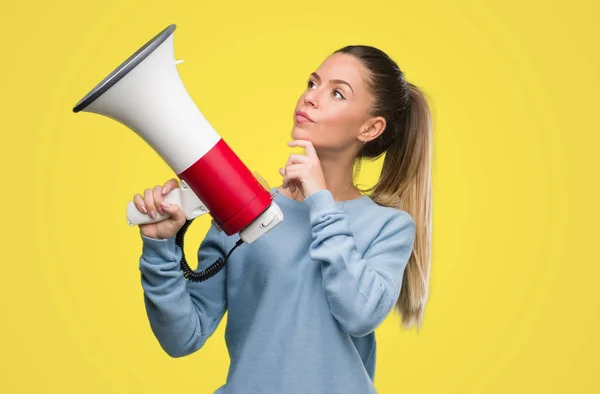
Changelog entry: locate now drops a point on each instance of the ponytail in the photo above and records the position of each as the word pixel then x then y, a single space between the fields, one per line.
pixel 405 179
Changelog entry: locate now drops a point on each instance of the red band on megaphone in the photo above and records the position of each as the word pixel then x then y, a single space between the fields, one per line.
pixel 227 188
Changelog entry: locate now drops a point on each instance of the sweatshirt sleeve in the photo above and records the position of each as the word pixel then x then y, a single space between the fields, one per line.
pixel 361 290
pixel 182 314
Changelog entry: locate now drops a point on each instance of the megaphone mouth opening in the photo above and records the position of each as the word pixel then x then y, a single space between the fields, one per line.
pixel 124 68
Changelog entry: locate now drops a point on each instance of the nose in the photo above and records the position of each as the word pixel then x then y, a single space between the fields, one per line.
pixel 310 98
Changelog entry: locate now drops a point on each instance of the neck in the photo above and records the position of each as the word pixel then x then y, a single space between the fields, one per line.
pixel 338 176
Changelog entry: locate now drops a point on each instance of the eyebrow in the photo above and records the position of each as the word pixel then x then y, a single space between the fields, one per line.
pixel 332 80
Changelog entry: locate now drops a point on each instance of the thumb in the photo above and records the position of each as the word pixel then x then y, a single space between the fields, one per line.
pixel 173 210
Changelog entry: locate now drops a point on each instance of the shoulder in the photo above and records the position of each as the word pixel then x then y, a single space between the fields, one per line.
pixel 387 223
pixel 374 223
pixel 387 230
pixel 384 215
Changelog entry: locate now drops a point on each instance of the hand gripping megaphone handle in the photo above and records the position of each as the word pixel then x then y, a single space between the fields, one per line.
pixel 188 202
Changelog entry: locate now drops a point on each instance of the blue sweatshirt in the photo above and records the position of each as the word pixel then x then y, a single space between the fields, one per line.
pixel 303 300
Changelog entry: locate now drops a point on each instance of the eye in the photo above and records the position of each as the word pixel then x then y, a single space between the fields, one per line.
pixel 338 92
pixel 334 92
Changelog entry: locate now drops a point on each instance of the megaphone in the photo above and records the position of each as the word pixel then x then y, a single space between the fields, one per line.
pixel 146 94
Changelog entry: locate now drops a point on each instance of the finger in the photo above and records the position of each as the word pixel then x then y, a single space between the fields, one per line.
pixel 310 150
pixel 297 173
pixel 149 202
pixel 307 145
pixel 290 183
pixel 286 179
pixel 284 183
pixel 170 185
pixel 138 201
pixel 296 167
pixel 174 211
pixel 295 158
pixel 291 174
pixel 158 198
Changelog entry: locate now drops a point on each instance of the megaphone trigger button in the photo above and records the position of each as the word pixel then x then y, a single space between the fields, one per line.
pixel 265 224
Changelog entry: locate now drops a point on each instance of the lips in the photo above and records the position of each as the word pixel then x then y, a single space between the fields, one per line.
pixel 304 115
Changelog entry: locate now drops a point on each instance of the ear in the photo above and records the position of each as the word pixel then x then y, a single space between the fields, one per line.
pixel 373 129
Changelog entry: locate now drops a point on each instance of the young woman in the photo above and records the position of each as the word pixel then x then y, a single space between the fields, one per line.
pixel 304 299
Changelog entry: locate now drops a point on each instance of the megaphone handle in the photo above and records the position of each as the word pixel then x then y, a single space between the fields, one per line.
pixel 135 217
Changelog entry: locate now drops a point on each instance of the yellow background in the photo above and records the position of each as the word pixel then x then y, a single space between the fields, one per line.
pixel 514 88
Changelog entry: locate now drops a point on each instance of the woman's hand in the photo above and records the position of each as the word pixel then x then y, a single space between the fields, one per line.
pixel 303 171
pixel 151 203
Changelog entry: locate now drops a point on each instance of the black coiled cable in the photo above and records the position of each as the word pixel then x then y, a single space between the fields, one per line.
pixel 209 272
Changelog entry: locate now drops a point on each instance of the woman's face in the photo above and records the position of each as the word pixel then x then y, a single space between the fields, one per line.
pixel 336 100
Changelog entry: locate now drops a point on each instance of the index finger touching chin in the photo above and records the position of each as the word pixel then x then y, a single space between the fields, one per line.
pixel 308 146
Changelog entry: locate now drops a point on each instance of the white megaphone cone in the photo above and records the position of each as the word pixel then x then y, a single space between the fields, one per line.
pixel 146 94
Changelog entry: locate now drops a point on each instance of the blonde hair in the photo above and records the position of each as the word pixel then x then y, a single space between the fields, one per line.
pixel 405 179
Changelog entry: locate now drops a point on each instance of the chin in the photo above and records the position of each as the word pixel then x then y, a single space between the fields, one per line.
pixel 299 134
